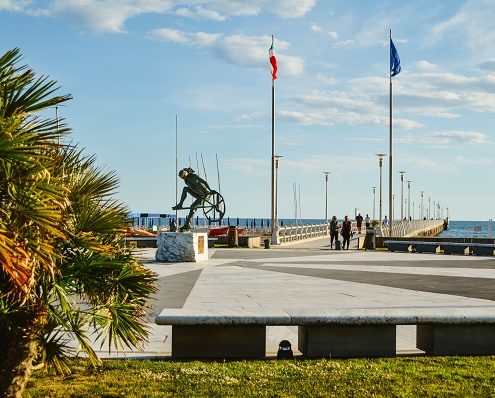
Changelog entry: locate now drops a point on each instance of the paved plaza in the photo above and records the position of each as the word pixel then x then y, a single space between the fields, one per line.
pixel 311 275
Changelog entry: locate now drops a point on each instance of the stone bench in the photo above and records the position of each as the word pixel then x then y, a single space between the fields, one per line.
pixel 426 247
pixel 455 248
pixel 482 249
pixel 224 333
pixel 338 332
pixel 398 245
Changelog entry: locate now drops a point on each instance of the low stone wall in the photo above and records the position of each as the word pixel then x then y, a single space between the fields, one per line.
pixel 249 241
pixel 379 240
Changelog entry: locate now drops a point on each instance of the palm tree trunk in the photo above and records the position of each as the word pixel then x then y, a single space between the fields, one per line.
pixel 18 349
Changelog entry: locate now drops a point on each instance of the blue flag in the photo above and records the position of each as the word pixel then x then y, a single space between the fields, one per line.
pixel 394 60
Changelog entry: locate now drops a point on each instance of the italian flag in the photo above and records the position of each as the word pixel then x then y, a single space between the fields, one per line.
pixel 273 61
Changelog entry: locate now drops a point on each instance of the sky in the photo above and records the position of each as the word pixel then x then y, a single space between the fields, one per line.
pixel 134 67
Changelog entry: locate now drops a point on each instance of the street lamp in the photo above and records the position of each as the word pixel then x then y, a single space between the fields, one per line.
pixel 429 215
pixel 374 189
pixel 409 199
pixel 402 194
pixel 326 195
pixel 380 163
pixel 413 210
pixel 421 212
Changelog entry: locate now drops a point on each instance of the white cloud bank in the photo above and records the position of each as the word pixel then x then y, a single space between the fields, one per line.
pixel 248 51
pixel 112 15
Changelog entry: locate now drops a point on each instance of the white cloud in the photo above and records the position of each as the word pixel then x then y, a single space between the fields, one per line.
pixel 314 27
pixel 309 118
pixel 201 13
pixel 447 138
pixel 318 29
pixel 425 65
pixel 14 5
pixel 344 44
pixel 172 35
pixel 103 15
pixel 473 25
pixel 326 79
pixel 249 51
pixel 351 107
pixel 112 15
pixel 288 8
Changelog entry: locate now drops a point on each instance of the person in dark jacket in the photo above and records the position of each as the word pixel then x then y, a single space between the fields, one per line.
pixel 334 230
pixel 359 222
pixel 197 188
pixel 346 232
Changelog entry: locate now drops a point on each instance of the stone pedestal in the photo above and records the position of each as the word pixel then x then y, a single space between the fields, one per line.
pixel 182 246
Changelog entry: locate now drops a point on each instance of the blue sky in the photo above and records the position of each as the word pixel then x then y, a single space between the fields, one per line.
pixel 132 65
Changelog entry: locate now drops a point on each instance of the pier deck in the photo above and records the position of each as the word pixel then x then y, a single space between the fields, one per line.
pixel 310 275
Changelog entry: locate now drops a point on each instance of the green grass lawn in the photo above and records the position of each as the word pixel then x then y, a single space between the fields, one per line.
pixel 390 377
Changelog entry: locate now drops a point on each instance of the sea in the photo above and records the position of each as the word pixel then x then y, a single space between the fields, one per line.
pixel 469 229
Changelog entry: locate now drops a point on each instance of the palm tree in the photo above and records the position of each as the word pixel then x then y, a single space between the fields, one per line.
pixel 65 269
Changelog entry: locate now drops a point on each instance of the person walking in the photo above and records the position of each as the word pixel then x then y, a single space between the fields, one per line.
pixel 346 232
pixel 359 222
pixel 334 231
pixel 367 221
pixel 385 222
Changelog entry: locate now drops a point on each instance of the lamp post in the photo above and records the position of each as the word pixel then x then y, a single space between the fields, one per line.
pixel 374 190
pixel 434 206
pixel 402 194
pixel 326 195
pixel 421 212
pixel 275 238
pixel 380 164
pixel 429 216
pixel 409 199
pixel 413 210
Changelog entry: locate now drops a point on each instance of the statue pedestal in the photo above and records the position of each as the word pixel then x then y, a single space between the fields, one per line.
pixel 182 246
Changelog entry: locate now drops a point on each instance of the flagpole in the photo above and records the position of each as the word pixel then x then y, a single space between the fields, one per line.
pixel 390 204
pixel 176 169
pixel 273 160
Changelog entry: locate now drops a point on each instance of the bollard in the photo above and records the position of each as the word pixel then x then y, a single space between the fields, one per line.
pixel 369 240
pixel 232 236
pixel 267 243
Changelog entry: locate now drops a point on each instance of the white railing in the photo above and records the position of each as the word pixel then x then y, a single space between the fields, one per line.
pixel 399 228
pixel 310 231
pixel 301 232
pixel 411 228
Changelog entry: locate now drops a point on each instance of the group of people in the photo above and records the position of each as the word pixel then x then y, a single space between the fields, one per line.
pixel 346 229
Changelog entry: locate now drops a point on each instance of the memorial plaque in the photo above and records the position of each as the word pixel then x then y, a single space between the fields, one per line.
pixel 201 244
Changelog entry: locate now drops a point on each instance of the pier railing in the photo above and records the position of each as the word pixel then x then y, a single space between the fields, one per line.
pixel 302 232
pixel 399 229
pixel 412 228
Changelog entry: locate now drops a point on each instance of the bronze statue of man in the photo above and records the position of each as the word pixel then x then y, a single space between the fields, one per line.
pixel 197 188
